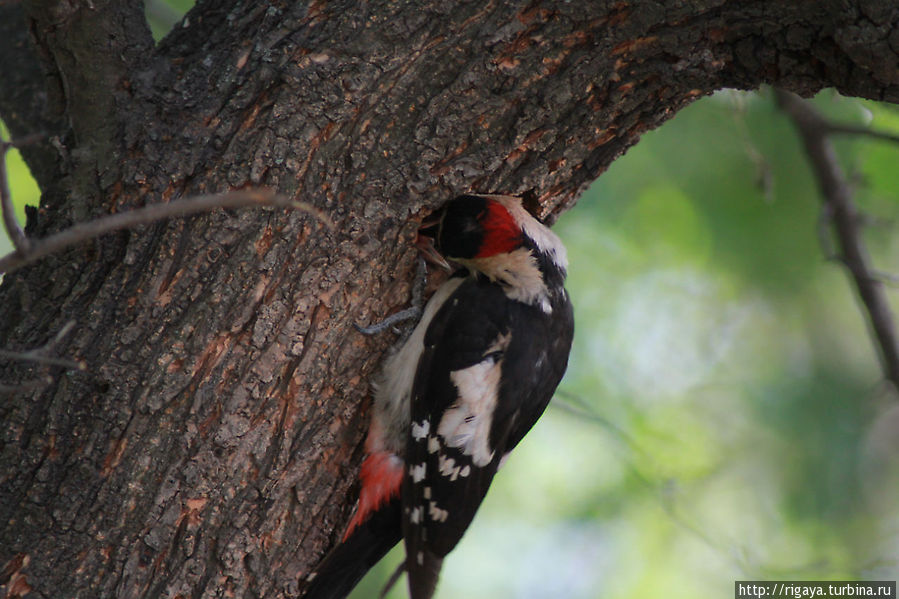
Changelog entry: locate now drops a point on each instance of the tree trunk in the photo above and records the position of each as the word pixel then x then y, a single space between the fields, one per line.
pixel 209 447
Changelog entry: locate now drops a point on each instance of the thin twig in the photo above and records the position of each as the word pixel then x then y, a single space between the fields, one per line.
pixel 837 194
pixel 391 582
pixel 26 140
pixel 825 127
pixel 15 232
pixel 39 359
pixel 843 129
pixel 885 277
pixel 141 216
pixel 25 385
pixel 38 355
pixel 59 336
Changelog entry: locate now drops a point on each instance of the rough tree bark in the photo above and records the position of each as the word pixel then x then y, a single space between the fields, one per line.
pixel 209 447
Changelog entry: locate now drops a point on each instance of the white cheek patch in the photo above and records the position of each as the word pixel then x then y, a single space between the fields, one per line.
pixel 519 274
pixel 466 425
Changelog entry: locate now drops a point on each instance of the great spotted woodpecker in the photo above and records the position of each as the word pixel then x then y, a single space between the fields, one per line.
pixel 464 388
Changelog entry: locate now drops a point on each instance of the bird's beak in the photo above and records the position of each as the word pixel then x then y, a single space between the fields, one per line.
pixel 425 245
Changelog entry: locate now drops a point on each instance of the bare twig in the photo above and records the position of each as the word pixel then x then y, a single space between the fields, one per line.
pixel 824 126
pixel 391 582
pixel 85 231
pixel 39 356
pixel 837 194
pixel 885 277
pixel 5 354
pixel 59 336
pixel 855 130
pixel 25 385
pixel 26 140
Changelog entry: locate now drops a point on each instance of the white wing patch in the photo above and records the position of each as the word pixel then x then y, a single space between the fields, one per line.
pixel 448 467
pixel 466 425
pixel 420 430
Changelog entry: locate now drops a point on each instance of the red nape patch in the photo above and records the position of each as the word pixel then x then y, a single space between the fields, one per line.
pixel 381 477
pixel 501 233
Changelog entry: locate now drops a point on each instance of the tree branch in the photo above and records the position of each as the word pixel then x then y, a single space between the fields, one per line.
pixel 148 214
pixel 837 194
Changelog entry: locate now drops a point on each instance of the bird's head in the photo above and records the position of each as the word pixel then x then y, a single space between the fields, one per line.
pixel 495 236
pixel 477 227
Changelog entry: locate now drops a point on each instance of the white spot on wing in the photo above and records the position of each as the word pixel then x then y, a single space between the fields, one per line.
pixel 466 425
pixel 437 514
pixel 433 444
pixel 445 465
pixel 418 472
pixel 420 431
pixel 415 517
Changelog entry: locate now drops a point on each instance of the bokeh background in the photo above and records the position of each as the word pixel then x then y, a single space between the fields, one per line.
pixel 724 416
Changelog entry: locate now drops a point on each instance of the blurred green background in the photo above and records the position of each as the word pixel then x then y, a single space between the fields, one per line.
pixel 724 416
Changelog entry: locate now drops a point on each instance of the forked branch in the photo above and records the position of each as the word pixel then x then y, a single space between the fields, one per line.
pixel 815 131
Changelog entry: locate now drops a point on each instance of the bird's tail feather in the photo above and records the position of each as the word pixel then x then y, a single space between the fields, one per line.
pixel 346 564
pixel 423 570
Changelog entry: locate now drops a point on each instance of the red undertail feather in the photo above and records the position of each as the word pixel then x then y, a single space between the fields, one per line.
pixel 381 478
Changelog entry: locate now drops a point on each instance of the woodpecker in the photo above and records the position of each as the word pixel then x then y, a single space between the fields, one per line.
pixel 459 394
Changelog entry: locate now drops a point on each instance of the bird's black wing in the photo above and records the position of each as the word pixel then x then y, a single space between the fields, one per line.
pixel 489 367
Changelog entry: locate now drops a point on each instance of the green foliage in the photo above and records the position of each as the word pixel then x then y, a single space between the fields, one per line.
pixel 23 189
